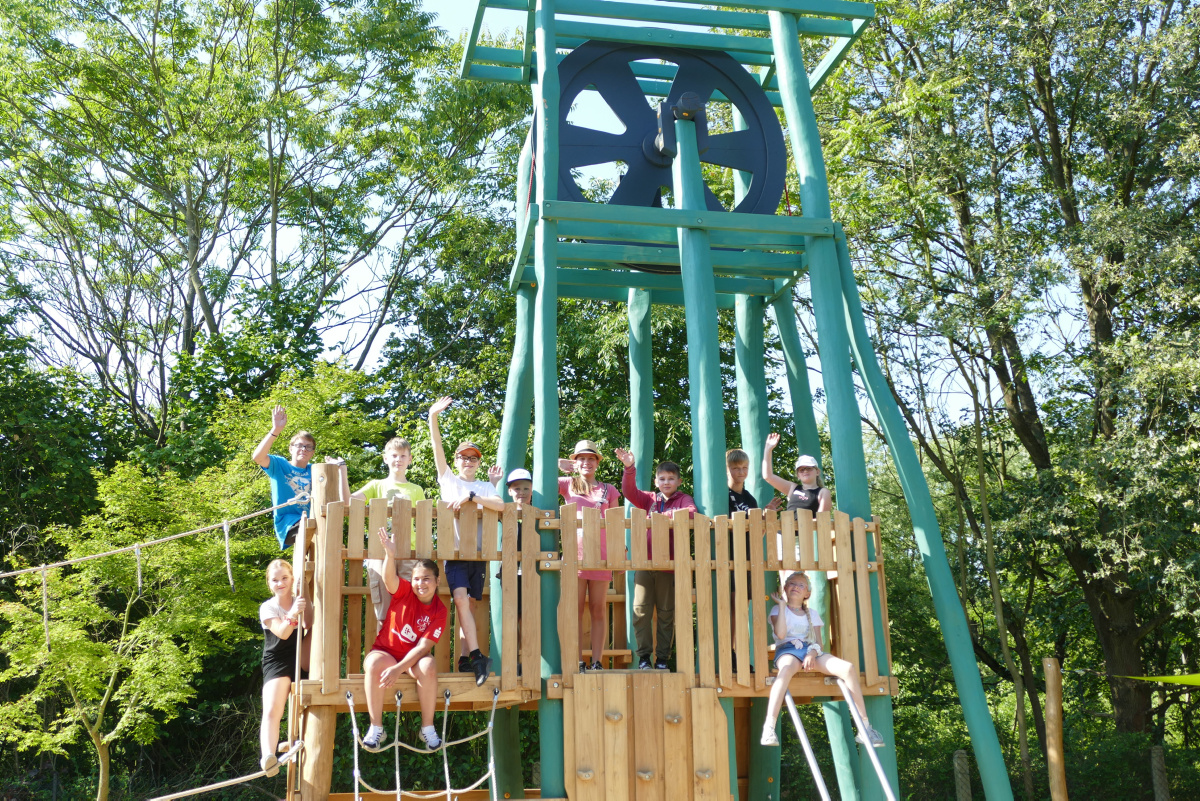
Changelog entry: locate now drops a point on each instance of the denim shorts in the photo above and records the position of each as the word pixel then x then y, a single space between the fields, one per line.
pixel 788 649
pixel 466 574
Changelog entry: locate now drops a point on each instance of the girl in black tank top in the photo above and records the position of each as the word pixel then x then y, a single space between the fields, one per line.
pixel 800 498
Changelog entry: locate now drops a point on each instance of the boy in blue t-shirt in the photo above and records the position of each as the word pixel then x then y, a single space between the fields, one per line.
pixel 289 478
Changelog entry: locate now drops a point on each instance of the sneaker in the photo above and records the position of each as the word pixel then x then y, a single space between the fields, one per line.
pixel 583 666
pixel 430 736
pixel 269 764
pixel 596 666
pixel 868 736
pixel 644 664
pixel 464 664
pixel 768 736
pixel 374 738
pixel 482 665
pixel 661 664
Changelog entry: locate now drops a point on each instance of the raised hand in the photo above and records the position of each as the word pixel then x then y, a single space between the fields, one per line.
pixel 625 456
pixel 772 441
pixel 775 503
pixel 440 405
pixel 495 473
pixel 278 420
pixel 386 541
pixel 778 598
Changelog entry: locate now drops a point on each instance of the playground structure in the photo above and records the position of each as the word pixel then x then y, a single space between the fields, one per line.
pixel 628 733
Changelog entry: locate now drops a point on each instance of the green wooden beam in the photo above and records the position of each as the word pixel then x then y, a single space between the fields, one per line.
pixel 464 67
pixel 490 74
pixel 485 54
pixel 660 297
pixel 835 55
pixel 674 15
pixel 781 263
pixel 525 232
pixel 843 9
pixel 635 279
pixel 652 235
pixel 819 227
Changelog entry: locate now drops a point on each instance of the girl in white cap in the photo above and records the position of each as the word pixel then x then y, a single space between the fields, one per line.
pixel 808 492
pixel 584 489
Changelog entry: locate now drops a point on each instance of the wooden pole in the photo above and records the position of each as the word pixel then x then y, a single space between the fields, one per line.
pixel 1158 774
pixel 1055 763
pixel 962 776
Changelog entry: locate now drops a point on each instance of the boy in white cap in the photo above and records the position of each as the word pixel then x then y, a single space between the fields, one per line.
pixel 465 577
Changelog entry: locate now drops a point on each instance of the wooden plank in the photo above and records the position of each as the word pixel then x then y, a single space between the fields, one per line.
pixel 758 599
pixel 468 531
pixel 787 542
pixel 685 654
pixel 589 737
pixel 569 751
pixel 807 542
pixel 847 628
pixel 824 543
pixel 568 605
pixel 402 521
pixel 424 516
pixel 614 532
pixel 677 732
pixel 660 528
pixel 724 600
pixel 592 531
pixel 509 582
pixel 491 520
pixel 706 644
pixel 330 602
pixel 354 603
pixel 445 531
pixel 741 633
pixel 531 603
pixel 883 609
pixel 710 750
pixel 866 620
pixel 618 775
pixel 637 539
pixel 648 760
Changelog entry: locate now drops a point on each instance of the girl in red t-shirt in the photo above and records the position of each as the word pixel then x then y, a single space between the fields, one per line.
pixel 413 624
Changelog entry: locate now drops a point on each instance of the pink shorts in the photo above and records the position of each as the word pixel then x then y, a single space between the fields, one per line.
pixel 595 575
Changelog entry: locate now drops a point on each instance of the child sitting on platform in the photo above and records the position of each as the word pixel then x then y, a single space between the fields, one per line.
pixel 465 577
pixel 281 616
pixel 797 631
pixel 413 624
pixel 654 590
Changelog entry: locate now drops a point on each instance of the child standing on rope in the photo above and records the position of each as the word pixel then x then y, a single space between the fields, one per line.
pixel 412 626
pixel 583 488
pixel 281 615
pixel 654 590
pixel 290 478
pixel 397 457
pixel 465 577
pixel 797 631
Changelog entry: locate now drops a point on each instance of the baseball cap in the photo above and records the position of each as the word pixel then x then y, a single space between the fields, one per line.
pixel 467 445
pixel 806 461
pixel 520 474
pixel 587 446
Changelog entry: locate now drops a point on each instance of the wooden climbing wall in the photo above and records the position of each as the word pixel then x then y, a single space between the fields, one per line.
pixel 644 736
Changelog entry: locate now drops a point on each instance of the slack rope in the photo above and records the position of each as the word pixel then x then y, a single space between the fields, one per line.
pixel 208 788
pixel 228 563
pixel 396 744
pixel 45 610
pixel 137 553
pixel 299 499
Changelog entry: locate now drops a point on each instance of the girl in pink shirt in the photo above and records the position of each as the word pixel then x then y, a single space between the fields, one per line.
pixel 585 490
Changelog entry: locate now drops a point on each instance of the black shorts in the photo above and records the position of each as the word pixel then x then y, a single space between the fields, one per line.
pixel 466 574
pixel 274 668
pixel 290 538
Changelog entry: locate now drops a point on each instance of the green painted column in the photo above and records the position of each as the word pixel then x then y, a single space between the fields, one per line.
pixel 704 358
pixel 545 387
pixel 992 771
pixel 514 438
pixel 641 419
pixel 845 427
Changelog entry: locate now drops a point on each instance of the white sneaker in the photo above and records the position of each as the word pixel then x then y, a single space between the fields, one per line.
pixel 768 735
pixel 430 736
pixel 868 736
pixel 374 738
pixel 269 764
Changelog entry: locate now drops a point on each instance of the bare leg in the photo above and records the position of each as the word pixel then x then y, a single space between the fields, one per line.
pixel 827 663
pixel 598 605
pixel 464 607
pixel 274 695
pixel 425 672
pixel 377 662
pixel 582 594
pixel 789 666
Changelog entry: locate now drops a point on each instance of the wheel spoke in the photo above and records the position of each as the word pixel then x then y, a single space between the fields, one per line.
pixel 639 186
pixel 712 201
pixel 617 84
pixel 579 147
pixel 739 150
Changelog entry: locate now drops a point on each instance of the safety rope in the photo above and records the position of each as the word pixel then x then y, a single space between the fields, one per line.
pixel 136 548
pixel 283 760
pixel 396 744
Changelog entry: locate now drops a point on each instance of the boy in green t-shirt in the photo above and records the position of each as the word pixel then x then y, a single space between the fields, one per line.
pixel 397 456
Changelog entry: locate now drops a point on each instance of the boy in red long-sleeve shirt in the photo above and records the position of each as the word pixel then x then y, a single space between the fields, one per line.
pixel 654 589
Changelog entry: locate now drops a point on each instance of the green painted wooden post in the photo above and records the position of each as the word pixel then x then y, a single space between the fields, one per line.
pixel 992 771
pixel 545 389
pixel 641 421
pixel 514 439
pixel 845 427
pixel 704 360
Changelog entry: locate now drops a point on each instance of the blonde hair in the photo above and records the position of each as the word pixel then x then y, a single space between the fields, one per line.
pixel 285 564
pixel 736 456
pixel 397 444
pixel 800 575
pixel 302 434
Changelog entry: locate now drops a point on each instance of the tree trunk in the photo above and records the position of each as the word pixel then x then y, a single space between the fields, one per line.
pixel 103 758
